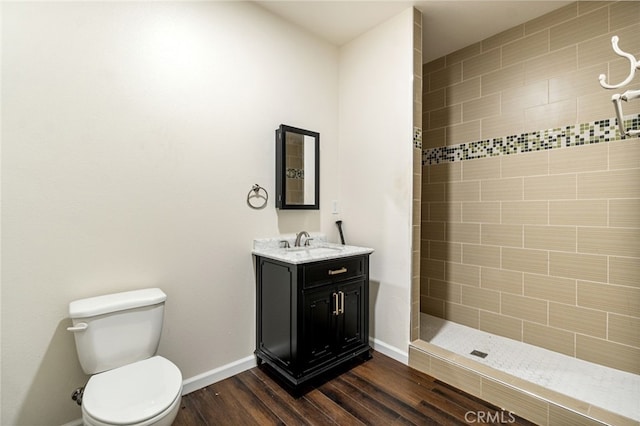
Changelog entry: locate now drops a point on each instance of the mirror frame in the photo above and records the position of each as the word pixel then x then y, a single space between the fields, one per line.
pixel 281 169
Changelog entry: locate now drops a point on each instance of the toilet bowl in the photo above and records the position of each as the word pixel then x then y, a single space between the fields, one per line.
pixel 117 336
pixel 144 393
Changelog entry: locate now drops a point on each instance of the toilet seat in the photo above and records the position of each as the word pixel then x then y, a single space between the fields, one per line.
pixel 134 393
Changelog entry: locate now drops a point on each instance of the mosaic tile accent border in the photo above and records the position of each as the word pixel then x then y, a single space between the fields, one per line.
pixel 601 131
pixel 417 137
pixel 295 173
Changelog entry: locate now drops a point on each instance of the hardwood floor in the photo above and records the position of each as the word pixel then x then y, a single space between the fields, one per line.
pixel 380 391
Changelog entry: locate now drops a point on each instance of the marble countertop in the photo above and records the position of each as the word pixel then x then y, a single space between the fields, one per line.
pixel 318 249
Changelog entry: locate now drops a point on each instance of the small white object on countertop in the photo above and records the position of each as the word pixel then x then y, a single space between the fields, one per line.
pixel 318 249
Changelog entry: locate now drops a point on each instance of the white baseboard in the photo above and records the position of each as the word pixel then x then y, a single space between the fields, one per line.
pixel 212 376
pixel 76 422
pixel 390 351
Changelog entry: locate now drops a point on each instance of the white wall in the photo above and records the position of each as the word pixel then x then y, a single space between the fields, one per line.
pixel 376 167
pixel 131 135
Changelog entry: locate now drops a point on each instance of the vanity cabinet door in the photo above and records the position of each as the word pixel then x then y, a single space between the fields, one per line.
pixel 352 318
pixel 318 327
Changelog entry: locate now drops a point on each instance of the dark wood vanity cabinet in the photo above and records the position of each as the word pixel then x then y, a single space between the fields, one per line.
pixel 311 317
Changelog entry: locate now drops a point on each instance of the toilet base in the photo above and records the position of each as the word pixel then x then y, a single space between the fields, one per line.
pixel 165 418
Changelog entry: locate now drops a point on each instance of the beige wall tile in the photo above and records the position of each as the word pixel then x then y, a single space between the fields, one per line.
pixel 525 260
pixel 501 235
pixel 449 252
pixel 552 18
pixel 580 266
pixel 610 298
pixel 612 354
pixel 555 289
pixel 508 189
pixel 623 14
pixel 578 212
pixel 464 53
pixel 445 172
pixel 446 116
pixel 507 124
pixel 485 106
pixel 465 91
pixel 556 187
pixel 445 212
pixel 431 268
pixel 503 38
pixel 624 329
pixel 529 164
pixel 433 231
pixel 481 64
pixel 578 319
pixel 586 158
pixel 501 325
pixel 613 241
pixel 551 64
pixel 501 280
pixel 549 116
pixel 433 138
pixel 462 191
pixel 484 212
pixel 505 396
pixel 461 133
pixel 624 271
pixel 525 212
pixel 475 254
pixel 502 79
pixel 624 154
pixel 483 168
pixel 488 300
pixel 598 49
pixel 462 274
pixel 525 48
pixel 610 184
pixel 433 192
pixel 455 376
pixel 445 77
pixel 594 106
pixel 525 308
pixel 561 238
pixel 550 338
pixel 434 100
pixel 520 98
pixel 581 28
pixel 461 314
pixel 444 290
pixel 586 6
pixel 463 232
pixel 432 306
pixel 577 83
pixel 435 65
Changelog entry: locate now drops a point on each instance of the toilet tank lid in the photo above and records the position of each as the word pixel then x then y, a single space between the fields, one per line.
pixel 99 305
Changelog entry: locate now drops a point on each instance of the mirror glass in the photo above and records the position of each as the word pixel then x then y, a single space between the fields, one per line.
pixel 297 168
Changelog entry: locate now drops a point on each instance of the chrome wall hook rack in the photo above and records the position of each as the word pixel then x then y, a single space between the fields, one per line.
pixel 629 95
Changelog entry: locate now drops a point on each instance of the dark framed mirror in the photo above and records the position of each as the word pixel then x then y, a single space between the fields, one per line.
pixel 297 168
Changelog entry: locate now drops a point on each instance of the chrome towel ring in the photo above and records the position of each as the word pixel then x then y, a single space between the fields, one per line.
pixel 255 193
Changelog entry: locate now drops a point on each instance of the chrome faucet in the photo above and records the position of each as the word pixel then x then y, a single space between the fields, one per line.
pixel 299 238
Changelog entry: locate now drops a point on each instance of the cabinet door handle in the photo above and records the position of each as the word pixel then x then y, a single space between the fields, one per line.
pixel 341 303
pixel 336 310
pixel 337 271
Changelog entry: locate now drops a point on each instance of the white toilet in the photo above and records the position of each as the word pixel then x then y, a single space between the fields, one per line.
pixel 117 336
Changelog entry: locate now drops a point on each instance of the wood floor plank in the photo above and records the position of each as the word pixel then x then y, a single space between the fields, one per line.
pixel 380 391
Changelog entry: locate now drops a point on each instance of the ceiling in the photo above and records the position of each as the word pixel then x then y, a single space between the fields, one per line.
pixel 447 25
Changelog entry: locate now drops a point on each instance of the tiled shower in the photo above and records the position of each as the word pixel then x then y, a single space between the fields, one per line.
pixel 530 198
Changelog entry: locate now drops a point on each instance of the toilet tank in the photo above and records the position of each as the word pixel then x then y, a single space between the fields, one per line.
pixel 117 329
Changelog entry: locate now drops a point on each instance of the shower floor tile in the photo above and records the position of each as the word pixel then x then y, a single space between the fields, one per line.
pixel 613 390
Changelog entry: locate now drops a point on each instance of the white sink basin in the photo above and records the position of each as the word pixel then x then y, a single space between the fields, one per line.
pixel 297 255
pixel 311 250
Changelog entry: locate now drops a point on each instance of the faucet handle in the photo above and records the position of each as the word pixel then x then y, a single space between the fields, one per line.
pixel 284 244
pixel 306 242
